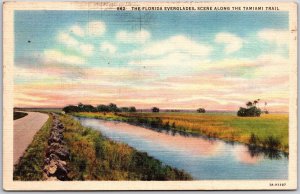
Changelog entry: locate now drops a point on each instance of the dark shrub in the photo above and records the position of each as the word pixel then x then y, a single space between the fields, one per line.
pixel 249 112
pixel 132 109
pixel 155 109
pixel 71 108
pixel 201 110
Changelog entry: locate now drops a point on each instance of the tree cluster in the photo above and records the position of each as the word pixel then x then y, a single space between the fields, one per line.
pixel 201 110
pixel 100 108
pixel 155 109
pixel 251 111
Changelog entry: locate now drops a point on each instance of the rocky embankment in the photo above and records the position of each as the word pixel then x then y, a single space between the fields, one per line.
pixel 57 154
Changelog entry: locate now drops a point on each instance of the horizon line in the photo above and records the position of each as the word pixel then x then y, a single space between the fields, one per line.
pixel 162 109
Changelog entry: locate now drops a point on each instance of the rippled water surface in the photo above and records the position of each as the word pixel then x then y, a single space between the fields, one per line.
pixel 203 158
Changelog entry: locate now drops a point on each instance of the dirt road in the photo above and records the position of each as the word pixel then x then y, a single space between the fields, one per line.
pixel 24 130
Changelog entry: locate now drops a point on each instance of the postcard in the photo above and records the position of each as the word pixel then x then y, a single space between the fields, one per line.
pixel 150 96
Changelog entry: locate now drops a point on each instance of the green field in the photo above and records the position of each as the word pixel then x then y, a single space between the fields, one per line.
pixel 268 131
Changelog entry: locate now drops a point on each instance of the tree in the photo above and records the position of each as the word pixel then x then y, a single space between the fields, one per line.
pixel 256 102
pixel 249 104
pixel 155 109
pixel 124 109
pixel 241 112
pixel 71 108
pixel 250 111
pixel 113 107
pixel 132 109
pixel 88 108
pixel 201 110
pixel 80 107
pixel 102 108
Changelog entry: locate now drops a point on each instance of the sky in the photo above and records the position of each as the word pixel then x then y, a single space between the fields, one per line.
pixel 172 60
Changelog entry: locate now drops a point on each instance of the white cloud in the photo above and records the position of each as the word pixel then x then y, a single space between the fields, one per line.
pixel 266 59
pixel 72 43
pixel 272 66
pixel 108 47
pixel 175 44
pixel 279 37
pixel 172 56
pixel 68 40
pixel 35 74
pixel 263 67
pixel 96 28
pixel 24 96
pixel 232 42
pixel 77 30
pixel 86 49
pixel 140 36
pixel 173 60
pixel 54 56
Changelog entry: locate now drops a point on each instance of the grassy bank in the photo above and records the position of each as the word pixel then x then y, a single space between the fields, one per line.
pixel 18 115
pixel 268 131
pixel 30 166
pixel 94 157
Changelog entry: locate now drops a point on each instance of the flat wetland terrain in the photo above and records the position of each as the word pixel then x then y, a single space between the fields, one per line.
pixel 268 130
pixel 93 156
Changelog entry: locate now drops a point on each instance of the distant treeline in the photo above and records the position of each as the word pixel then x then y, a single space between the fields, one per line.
pixel 113 108
pixel 100 108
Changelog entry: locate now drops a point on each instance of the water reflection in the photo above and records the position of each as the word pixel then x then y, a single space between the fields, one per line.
pixel 268 153
pixel 195 144
pixel 176 141
pixel 243 155
pixel 252 154
pixel 249 154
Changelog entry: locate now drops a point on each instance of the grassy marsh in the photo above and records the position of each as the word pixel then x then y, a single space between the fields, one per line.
pixel 270 131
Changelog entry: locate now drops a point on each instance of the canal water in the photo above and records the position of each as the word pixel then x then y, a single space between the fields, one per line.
pixel 203 158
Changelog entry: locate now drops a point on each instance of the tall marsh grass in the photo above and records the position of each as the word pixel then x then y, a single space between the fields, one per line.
pixel 271 131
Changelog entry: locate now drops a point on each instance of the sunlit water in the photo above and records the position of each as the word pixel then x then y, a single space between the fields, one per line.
pixel 203 158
